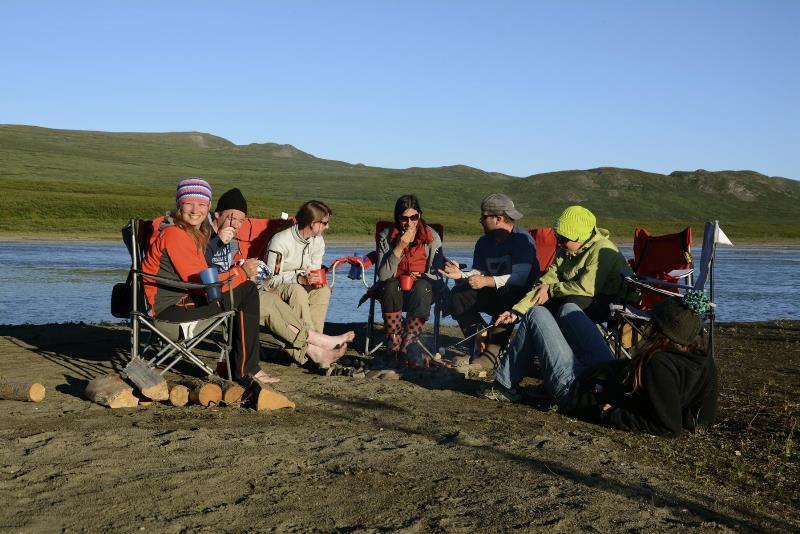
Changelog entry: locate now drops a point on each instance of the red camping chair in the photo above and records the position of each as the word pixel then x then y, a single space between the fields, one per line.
pixel 438 301
pixel 665 260
pixel 664 257
pixel 544 237
pixel 702 274
pixel 254 235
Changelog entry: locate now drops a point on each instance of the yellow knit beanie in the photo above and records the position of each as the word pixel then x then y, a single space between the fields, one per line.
pixel 576 223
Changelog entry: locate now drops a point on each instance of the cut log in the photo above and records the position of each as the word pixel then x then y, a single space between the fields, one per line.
pixel 178 394
pixel 232 392
pixel 23 391
pixel 148 380
pixel 271 400
pixel 202 393
pixel 110 390
pixel 259 397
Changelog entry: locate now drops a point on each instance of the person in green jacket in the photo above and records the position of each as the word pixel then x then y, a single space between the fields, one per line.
pixel 586 270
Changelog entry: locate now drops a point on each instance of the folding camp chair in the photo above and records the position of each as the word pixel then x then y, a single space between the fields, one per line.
pixel 169 341
pixel 439 298
pixel 544 237
pixel 672 252
pixel 255 234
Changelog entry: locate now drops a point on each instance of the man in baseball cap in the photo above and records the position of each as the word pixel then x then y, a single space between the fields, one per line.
pixel 504 269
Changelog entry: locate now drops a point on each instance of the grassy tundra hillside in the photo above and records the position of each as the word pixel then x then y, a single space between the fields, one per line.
pixel 63 183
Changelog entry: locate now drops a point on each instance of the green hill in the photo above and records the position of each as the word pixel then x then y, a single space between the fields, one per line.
pixel 87 184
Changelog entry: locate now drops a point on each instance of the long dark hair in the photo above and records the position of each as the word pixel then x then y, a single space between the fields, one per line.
pixel 407 202
pixel 654 341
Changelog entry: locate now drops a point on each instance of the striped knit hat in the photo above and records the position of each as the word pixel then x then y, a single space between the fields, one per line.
pixel 193 189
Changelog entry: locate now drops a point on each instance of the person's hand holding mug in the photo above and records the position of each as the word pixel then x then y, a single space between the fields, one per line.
pixel 314 278
pixel 507 317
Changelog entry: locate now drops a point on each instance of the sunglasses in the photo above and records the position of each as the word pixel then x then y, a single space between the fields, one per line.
pixel 408 218
pixel 561 240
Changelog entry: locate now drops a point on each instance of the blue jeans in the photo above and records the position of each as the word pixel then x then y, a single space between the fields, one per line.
pixel 566 344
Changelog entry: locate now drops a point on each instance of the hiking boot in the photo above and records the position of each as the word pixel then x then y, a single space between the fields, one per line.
pixel 500 393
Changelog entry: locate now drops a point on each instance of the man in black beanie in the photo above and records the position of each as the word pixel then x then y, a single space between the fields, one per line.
pixel 231 212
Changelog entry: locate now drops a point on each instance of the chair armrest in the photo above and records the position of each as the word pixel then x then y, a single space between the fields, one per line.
pixel 646 281
pixel 180 284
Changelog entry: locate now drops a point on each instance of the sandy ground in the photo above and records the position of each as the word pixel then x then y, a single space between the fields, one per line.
pixel 357 454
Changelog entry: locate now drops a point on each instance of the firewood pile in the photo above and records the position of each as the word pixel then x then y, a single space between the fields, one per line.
pixel 140 384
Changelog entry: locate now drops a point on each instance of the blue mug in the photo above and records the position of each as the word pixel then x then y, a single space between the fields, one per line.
pixel 209 276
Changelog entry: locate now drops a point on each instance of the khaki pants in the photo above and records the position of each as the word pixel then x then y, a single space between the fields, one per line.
pixel 310 303
pixel 278 316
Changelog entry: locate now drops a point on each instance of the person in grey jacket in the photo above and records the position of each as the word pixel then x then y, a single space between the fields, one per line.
pixel 409 256
pixel 300 281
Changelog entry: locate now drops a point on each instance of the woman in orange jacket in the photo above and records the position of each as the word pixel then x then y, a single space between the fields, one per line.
pixel 178 253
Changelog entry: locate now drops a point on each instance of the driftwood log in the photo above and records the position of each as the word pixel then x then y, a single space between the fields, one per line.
pixel 260 397
pixel 110 390
pixel 232 393
pixel 202 393
pixel 178 394
pixel 23 391
pixel 148 380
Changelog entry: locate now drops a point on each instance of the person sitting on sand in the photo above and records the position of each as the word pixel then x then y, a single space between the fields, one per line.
pixel 410 250
pixel 586 270
pixel 300 282
pixel 504 267
pixel 178 253
pixel 298 341
pixel 669 385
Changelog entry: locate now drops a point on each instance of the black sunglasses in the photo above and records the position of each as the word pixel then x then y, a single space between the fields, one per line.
pixel 561 240
pixel 408 218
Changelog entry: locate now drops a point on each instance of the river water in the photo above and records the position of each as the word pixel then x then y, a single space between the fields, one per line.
pixel 63 282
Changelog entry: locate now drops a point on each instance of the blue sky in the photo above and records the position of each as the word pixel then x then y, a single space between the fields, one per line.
pixel 515 87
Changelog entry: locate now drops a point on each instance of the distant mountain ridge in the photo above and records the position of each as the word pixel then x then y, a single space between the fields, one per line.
pixel 62 180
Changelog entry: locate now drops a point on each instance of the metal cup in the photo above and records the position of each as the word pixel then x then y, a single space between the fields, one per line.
pixel 209 276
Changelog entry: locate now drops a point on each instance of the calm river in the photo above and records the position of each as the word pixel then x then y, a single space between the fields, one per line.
pixel 44 283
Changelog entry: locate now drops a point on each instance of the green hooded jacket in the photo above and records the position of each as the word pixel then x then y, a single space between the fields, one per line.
pixel 594 269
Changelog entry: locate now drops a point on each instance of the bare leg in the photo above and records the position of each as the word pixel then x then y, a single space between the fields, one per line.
pixel 324 350
pixel 325 357
pixel 330 342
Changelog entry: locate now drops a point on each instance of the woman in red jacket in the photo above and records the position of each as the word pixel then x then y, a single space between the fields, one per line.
pixel 412 249
pixel 178 253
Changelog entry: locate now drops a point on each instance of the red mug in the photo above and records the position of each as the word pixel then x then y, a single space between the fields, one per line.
pixel 406 282
pixel 323 276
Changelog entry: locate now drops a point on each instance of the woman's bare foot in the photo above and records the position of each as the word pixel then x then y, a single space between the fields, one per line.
pixel 324 357
pixel 330 342
pixel 265 379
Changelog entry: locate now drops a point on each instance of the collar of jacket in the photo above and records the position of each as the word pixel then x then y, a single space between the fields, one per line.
pixel 298 237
